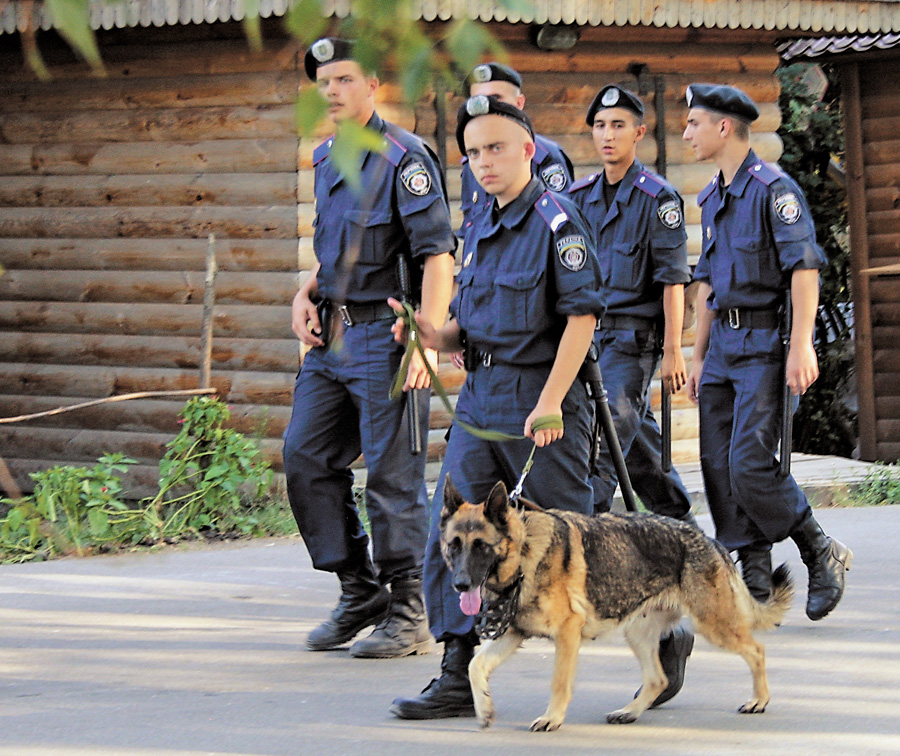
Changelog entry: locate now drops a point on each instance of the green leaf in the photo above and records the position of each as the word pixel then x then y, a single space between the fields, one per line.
pixel 350 145
pixel 309 110
pixel 99 522
pixel 520 7
pixel 415 65
pixel 251 25
pixel 71 18
pixel 306 20
pixel 468 42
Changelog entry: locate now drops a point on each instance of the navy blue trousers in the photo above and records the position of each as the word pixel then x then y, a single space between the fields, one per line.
pixel 500 398
pixel 740 429
pixel 628 360
pixel 342 408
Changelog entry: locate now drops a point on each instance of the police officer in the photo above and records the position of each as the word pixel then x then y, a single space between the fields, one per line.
pixel 638 222
pixel 341 403
pixel 529 296
pixel 550 164
pixel 759 247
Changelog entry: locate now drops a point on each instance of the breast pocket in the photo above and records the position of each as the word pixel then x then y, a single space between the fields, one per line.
pixel 519 301
pixel 371 233
pixel 625 270
pixel 747 259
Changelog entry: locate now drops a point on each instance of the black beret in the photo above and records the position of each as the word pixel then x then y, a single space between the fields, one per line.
pixel 324 51
pixel 723 99
pixel 492 72
pixel 614 96
pixel 481 105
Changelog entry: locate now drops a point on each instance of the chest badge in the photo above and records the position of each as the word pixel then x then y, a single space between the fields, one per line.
pixel 787 208
pixel 554 177
pixel 670 214
pixel 572 252
pixel 416 179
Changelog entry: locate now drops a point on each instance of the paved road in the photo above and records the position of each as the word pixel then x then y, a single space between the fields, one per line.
pixel 200 651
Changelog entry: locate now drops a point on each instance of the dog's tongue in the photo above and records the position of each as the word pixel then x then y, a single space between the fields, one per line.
pixel 470 601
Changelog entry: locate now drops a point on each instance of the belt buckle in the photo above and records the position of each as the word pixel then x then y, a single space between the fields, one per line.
pixel 345 315
pixel 734 318
pixel 486 359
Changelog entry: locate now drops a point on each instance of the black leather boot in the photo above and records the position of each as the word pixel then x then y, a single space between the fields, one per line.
pixel 674 649
pixel 827 560
pixel 403 631
pixel 363 602
pixel 756 569
pixel 449 695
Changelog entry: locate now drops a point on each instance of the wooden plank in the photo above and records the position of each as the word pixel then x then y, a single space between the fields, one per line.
pixel 148 351
pixel 215 156
pixel 168 125
pixel 857 183
pixel 884 198
pixel 880 176
pixel 887 360
pixel 885 222
pixel 80 446
pixel 95 381
pixel 278 222
pixel 139 481
pixel 218 189
pixel 160 287
pixel 884 245
pixel 888 451
pixel 156 91
pixel 883 152
pixel 884 289
pixel 881 129
pixel 882 101
pixel 259 255
pixel 140 319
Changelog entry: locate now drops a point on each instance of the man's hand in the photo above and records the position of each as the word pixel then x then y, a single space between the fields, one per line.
pixel 673 370
pixel 305 320
pixel 693 380
pixel 802 367
pixel 547 435
pixel 417 377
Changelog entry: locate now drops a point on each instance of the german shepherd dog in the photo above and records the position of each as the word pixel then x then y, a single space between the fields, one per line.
pixel 567 576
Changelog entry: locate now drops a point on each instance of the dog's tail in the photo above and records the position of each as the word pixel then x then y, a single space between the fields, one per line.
pixel 768 615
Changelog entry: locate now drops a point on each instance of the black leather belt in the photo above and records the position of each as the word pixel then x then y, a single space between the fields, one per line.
pixel 625 323
pixel 738 317
pixel 352 314
pixel 475 358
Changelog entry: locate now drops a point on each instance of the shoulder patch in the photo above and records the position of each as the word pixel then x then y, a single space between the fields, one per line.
pixel 416 179
pixel 554 177
pixel 395 151
pixel 551 211
pixel 572 251
pixel 583 182
pixel 649 183
pixel 787 208
pixel 707 190
pixel 669 213
pixel 765 172
pixel 321 152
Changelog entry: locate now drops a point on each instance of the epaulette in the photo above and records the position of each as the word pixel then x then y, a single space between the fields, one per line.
pixel 707 190
pixel 583 182
pixel 551 211
pixel 540 153
pixel 649 184
pixel 395 151
pixel 765 172
pixel 321 152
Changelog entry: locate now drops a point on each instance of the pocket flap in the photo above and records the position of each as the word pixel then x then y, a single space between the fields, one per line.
pixel 519 280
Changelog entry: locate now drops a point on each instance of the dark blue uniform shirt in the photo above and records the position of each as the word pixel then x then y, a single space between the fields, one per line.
pixel 751 247
pixel 402 209
pixel 641 239
pixel 549 164
pixel 523 274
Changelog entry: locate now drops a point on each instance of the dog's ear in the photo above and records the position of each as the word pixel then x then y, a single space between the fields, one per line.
pixel 497 503
pixel 452 499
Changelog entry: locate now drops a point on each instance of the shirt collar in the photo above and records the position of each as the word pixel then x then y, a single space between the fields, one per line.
pixel 742 177
pixel 516 211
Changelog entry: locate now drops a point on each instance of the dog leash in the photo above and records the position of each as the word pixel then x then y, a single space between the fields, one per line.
pixel 545 422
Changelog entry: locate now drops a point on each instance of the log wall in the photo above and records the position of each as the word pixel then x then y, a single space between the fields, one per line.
pixel 872 125
pixel 109 188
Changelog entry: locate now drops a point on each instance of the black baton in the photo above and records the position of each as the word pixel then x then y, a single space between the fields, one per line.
pixel 787 397
pixel 412 396
pixel 590 373
pixel 666 410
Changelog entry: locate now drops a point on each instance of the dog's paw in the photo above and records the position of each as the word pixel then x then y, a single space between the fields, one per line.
pixel 545 724
pixel 486 721
pixel 753 707
pixel 621 716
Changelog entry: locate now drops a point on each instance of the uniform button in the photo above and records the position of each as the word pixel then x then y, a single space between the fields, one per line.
pixel 474 196
pixel 642 180
pixel 544 203
pixel 757 167
pixel 330 142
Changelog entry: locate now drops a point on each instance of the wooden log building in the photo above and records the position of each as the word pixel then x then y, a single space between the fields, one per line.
pixel 109 188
